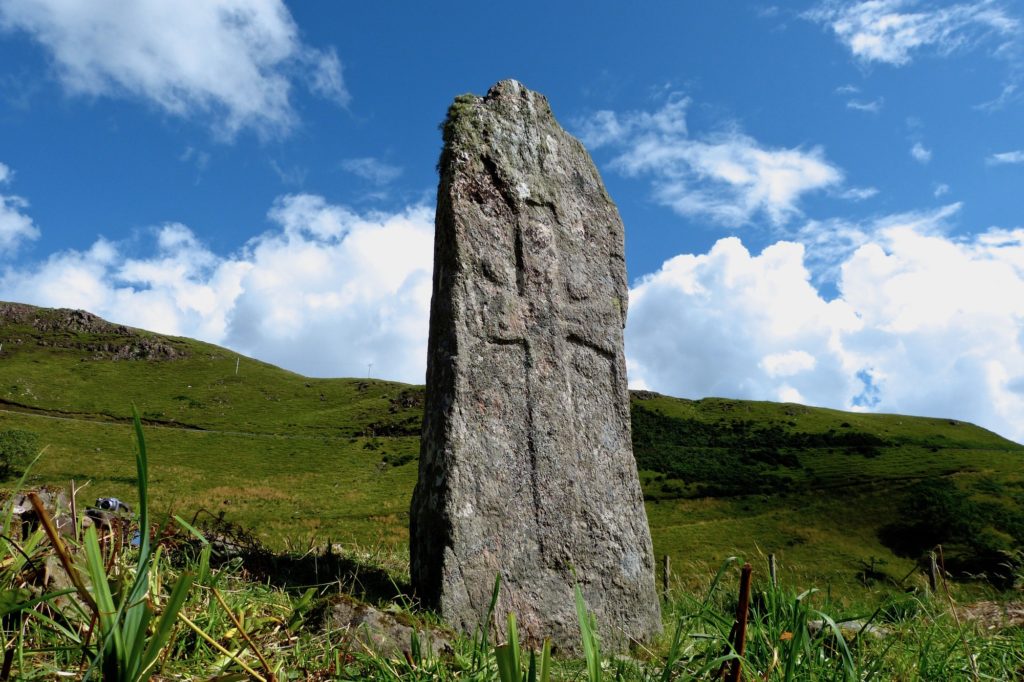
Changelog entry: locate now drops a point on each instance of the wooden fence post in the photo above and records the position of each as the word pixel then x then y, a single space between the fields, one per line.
pixel 742 610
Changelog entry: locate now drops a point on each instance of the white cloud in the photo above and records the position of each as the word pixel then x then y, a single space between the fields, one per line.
pixel 920 153
pixel 608 127
pixel 831 242
pixel 1006 95
pixel 198 158
pixel 891 31
pixel 326 293
pixel 16 226
pixel 325 75
pixel 703 325
pixel 1016 156
pixel 858 193
pixel 374 170
pixel 727 176
pixel 788 363
pixel 941 189
pixel 293 175
pixel 922 324
pixel 871 106
pixel 232 60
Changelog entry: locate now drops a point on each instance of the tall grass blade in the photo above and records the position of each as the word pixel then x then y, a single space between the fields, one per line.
pixel 203 573
pixel 507 655
pixel 165 626
pixel 588 632
pixel 141 584
pixel 545 662
pixel 110 648
pixel 849 665
pixel 513 643
pixel 673 652
pixel 480 647
pixel 503 657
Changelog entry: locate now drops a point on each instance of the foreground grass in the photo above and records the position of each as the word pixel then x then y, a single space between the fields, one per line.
pixel 233 626
pixel 170 608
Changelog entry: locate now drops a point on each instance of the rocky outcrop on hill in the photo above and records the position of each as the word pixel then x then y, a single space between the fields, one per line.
pixel 526 466
pixel 82 330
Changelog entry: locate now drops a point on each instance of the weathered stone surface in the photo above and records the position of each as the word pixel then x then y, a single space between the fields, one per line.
pixel 381 632
pixel 526 466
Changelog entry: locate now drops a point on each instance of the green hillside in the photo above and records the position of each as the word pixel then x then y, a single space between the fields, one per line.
pixel 303 460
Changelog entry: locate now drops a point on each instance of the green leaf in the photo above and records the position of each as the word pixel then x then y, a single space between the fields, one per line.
pixel 588 632
pixel 545 662
pixel 165 625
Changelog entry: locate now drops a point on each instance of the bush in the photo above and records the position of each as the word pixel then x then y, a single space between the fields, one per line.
pixel 977 536
pixel 17 448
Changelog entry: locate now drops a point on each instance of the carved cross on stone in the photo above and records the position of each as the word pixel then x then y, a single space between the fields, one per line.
pixel 526 465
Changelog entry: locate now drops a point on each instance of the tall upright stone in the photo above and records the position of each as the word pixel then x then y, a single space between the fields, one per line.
pixel 526 465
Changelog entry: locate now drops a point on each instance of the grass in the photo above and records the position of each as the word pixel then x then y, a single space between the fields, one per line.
pixel 164 608
pixel 227 625
pixel 306 461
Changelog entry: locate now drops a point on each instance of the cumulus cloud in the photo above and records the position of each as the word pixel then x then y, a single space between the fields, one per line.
pixel 1016 156
pixel 830 242
pixel 726 176
pixel 787 364
pixel 327 292
pixel 16 226
pixel 922 324
pixel 891 31
pixel 232 60
pixel 920 153
pixel 728 323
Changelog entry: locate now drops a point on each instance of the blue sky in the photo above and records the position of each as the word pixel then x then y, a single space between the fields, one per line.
pixel 821 199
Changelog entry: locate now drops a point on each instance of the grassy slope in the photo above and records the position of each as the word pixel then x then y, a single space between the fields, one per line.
pixel 298 458
pixel 821 516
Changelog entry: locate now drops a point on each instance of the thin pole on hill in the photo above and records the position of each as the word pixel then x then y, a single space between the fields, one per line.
pixel 933 572
pixel 666 572
pixel 772 570
pixel 237 361
pixel 74 509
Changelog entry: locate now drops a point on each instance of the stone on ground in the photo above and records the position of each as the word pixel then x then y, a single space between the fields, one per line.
pixel 526 466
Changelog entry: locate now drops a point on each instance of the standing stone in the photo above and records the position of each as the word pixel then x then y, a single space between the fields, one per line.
pixel 526 466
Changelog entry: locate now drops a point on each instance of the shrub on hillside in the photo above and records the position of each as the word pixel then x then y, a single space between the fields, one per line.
pixel 978 536
pixel 17 448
